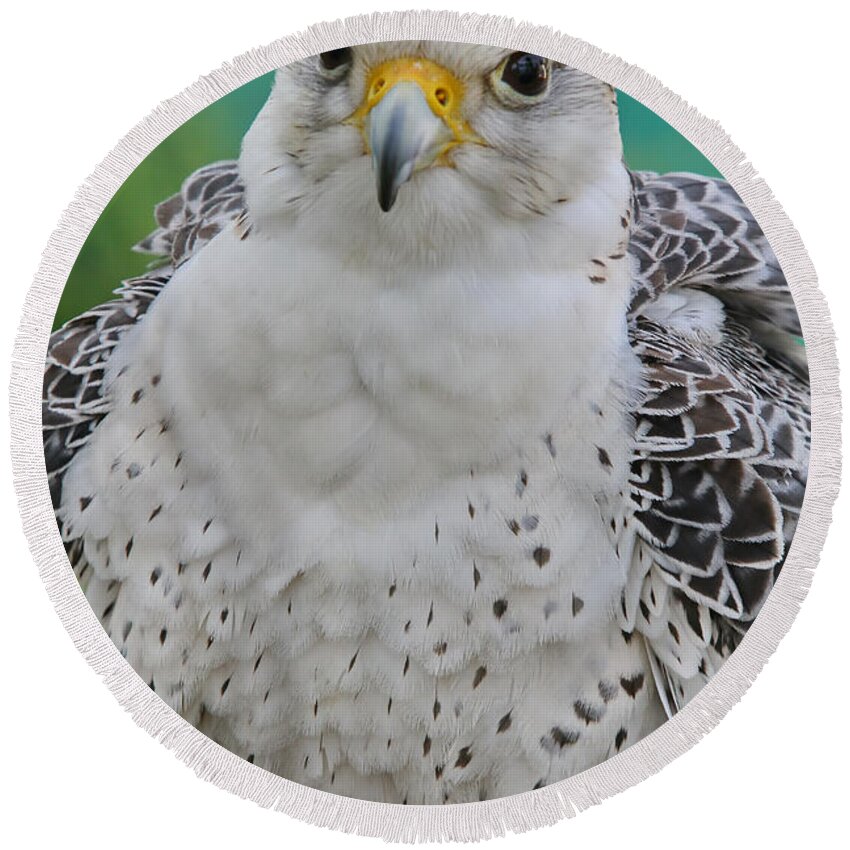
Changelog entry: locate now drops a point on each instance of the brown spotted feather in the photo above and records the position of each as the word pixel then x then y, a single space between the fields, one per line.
pixel 721 430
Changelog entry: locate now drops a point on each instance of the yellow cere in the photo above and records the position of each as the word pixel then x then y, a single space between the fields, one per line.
pixel 442 89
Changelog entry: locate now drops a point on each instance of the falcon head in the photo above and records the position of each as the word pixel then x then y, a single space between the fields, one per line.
pixel 433 134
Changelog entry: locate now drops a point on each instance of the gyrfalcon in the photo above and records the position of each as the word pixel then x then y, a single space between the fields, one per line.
pixel 441 457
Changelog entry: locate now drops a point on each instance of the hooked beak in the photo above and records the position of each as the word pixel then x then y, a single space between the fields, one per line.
pixel 410 118
pixel 405 136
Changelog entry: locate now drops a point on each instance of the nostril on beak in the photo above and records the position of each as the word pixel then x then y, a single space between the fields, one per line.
pixel 406 134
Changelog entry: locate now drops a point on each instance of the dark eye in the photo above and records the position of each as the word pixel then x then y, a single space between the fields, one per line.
pixel 526 73
pixel 336 60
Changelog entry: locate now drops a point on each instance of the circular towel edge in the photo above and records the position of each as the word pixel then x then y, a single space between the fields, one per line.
pixel 462 822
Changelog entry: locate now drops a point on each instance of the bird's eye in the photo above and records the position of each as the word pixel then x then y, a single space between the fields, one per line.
pixel 336 62
pixel 524 74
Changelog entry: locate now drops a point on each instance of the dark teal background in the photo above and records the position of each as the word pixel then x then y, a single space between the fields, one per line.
pixel 215 133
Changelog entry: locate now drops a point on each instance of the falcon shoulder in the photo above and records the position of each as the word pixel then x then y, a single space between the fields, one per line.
pixel 721 429
pixel 74 400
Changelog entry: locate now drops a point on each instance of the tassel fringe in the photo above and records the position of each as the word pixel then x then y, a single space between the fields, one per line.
pixel 466 822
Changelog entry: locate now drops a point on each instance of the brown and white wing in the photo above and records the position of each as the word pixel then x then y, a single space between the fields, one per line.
pixel 722 428
pixel 74 399
pixel 209 199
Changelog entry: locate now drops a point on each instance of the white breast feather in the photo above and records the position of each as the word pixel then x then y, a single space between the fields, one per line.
pixel 323 542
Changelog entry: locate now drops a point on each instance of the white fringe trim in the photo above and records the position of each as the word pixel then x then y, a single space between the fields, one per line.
pixel 466 822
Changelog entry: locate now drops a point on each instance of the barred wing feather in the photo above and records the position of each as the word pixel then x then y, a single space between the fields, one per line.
pixel 721 433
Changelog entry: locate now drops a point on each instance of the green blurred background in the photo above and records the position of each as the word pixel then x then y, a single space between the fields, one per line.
pixel 215 133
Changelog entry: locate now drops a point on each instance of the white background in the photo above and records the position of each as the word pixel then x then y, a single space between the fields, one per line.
pixel 77 76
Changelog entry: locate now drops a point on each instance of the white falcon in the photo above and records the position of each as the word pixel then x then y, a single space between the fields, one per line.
pixel 443 457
